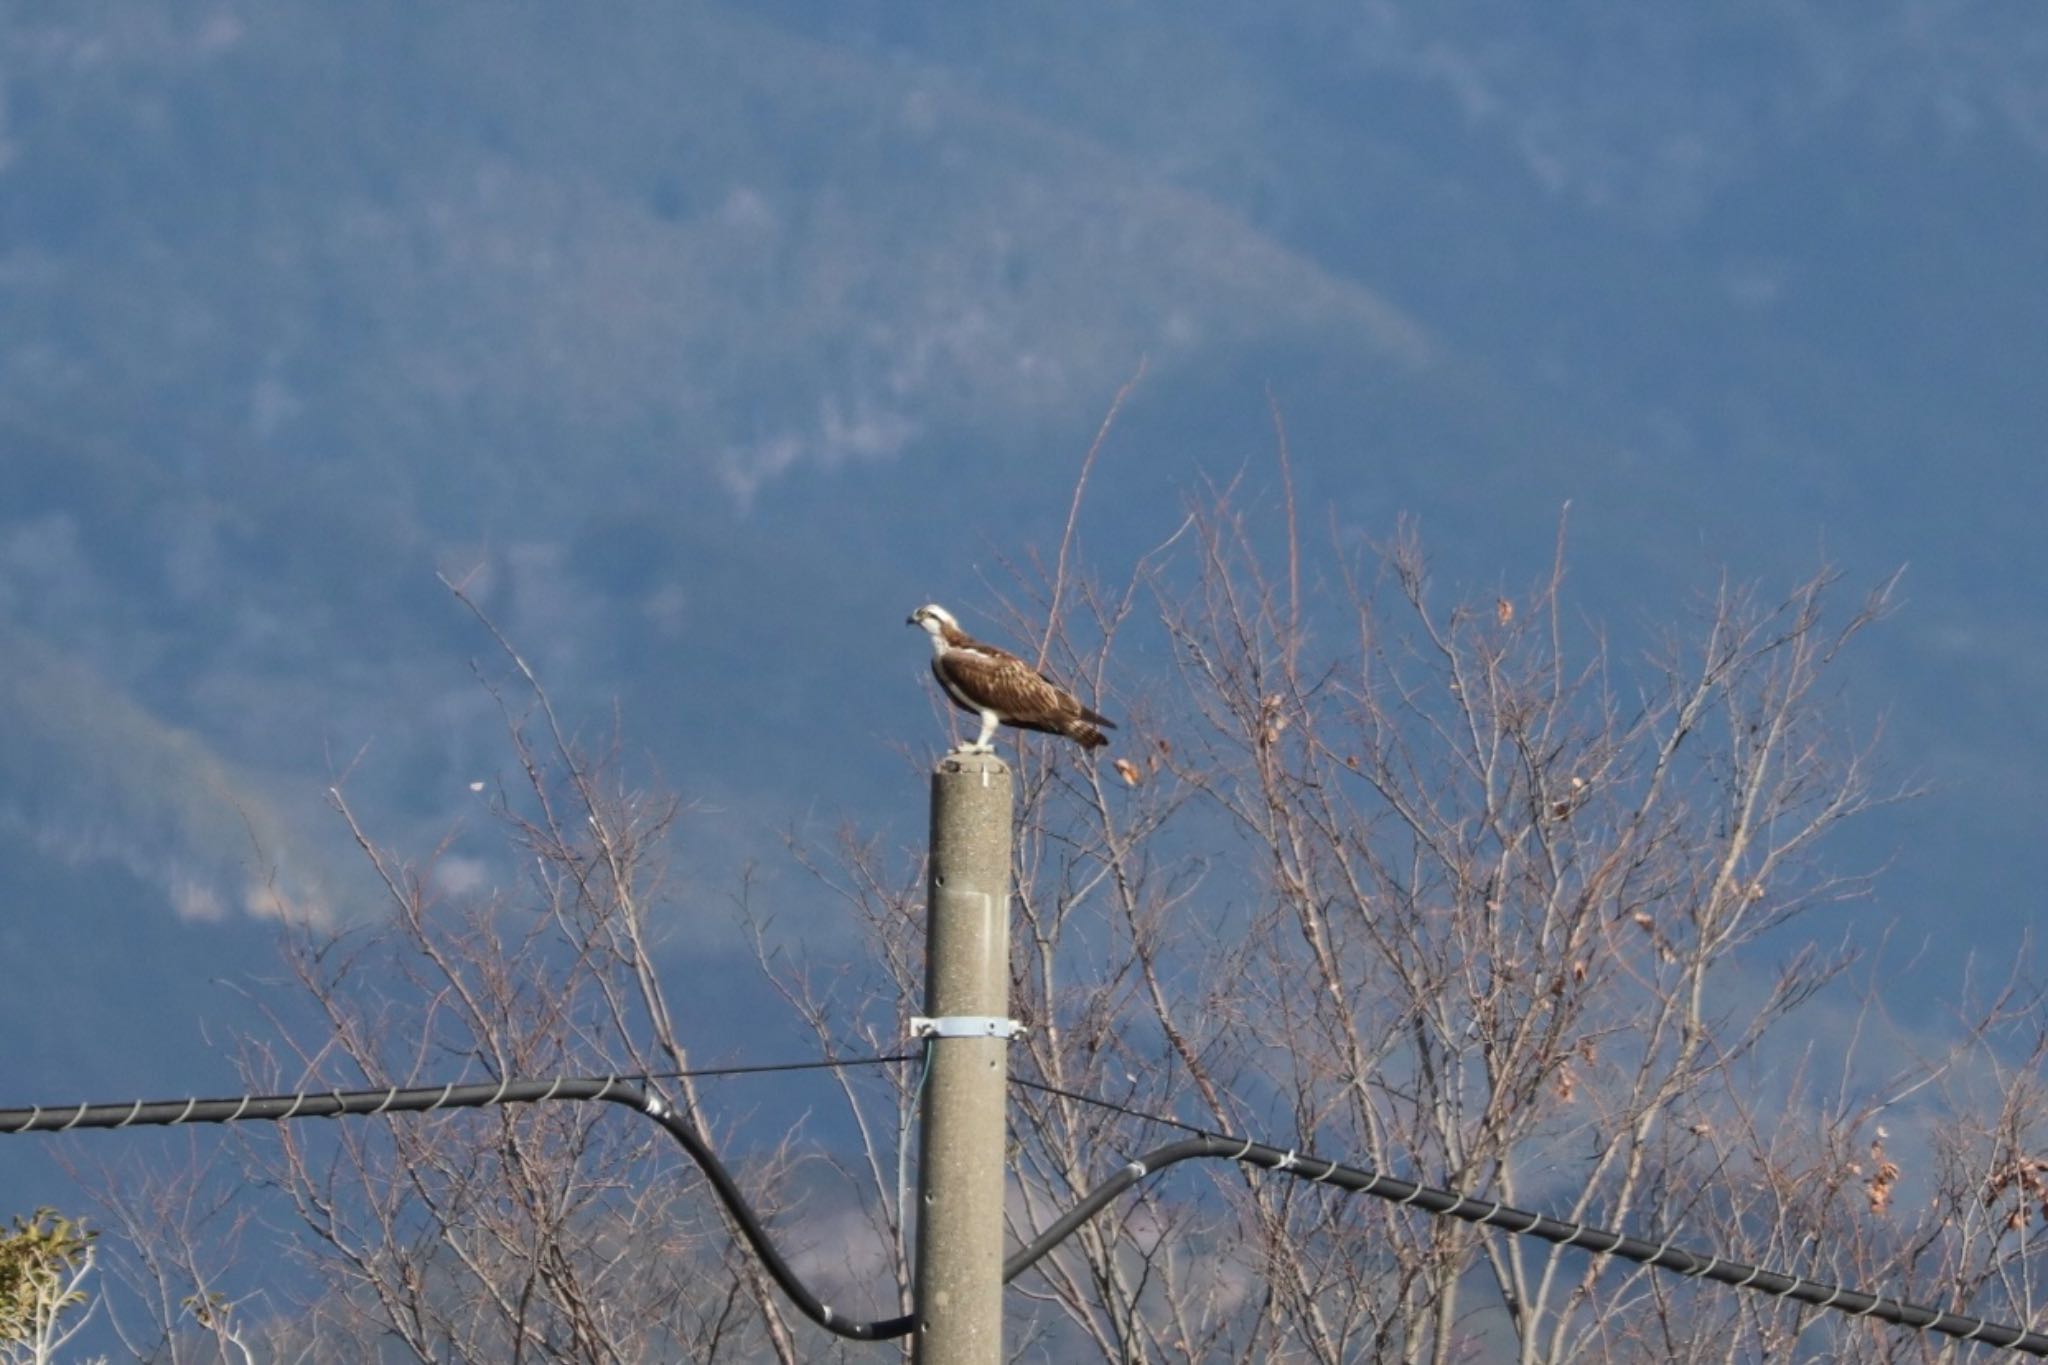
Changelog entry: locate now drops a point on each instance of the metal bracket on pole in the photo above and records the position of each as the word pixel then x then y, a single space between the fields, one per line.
pixel 965 1026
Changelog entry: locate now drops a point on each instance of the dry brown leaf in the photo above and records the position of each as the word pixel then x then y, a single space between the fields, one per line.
pixel 1884 1175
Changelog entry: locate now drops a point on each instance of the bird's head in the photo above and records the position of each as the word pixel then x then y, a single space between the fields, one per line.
pixel 933 617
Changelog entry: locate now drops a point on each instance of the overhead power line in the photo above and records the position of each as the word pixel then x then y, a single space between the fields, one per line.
pixel 1110 1105
pixel 1493 1213
pixel 630 1093
pixel 627 1093
pixel 770 1068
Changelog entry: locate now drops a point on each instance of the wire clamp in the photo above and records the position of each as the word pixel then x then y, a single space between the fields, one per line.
pixel 965 1026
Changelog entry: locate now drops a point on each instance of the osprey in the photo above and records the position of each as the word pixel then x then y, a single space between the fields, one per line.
pixel 1001 688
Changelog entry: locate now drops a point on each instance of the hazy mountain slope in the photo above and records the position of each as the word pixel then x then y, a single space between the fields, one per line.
pixel 596 248
pixel 88 776
pixel 703 341
pixel 297 304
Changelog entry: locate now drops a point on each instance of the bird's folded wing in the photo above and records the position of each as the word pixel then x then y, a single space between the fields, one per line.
pixel 1006 685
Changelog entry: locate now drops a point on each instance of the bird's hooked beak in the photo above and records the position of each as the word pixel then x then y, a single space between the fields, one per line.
pixel 910 620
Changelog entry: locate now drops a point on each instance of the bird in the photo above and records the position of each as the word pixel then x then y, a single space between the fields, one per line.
pixel 1001 688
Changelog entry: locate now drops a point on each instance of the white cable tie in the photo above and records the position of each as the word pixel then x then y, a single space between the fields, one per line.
pixel 76 1119
pixel 1703 1271
pixel 1414 1193
pixel 504 1083
pixel 655 1106
pixel 965 1026
pixel 133 1110
pixel 825 1311
pixel 1137 1169
pixel 1286 1162
pixel 190 1105
pixel 1329 1169
pixel 1750 1278
pixel 1244 1150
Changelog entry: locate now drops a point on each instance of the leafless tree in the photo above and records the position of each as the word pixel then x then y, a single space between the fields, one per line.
pixel 1454 890
pixel 545 1232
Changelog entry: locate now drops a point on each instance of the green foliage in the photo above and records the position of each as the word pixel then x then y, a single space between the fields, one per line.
pixel 42 1259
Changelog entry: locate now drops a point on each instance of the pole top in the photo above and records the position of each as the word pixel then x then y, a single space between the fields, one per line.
pixel 968 762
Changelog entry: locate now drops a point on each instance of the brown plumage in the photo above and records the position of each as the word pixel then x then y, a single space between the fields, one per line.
pixel 1001 688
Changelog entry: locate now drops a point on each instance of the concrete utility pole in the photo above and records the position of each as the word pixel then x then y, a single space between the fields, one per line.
pixel 967 994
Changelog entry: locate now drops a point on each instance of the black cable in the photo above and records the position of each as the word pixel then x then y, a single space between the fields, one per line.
pixel 1492 1213
pixel 415 1099
pixel 1445 1202
pixel 829 1064
pixel 629 1094
pixel 1110 1105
